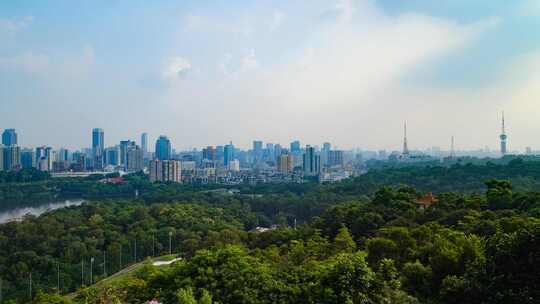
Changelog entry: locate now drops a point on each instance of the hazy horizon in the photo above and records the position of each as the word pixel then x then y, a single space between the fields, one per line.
pixel 347 72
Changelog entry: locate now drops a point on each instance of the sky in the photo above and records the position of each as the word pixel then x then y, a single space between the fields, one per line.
pixel 208 72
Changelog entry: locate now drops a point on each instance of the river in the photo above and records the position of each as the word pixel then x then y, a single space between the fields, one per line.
pixel 18 213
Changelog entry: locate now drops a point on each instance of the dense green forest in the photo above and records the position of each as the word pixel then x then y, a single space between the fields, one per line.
pixel 19 190
pixel 360 241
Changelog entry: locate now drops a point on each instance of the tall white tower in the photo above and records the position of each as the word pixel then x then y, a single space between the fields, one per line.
pixel 503 137
pixel 405 146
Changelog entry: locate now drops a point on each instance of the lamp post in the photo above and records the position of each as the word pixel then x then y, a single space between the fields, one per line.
pixel 170 242
pixel 91 266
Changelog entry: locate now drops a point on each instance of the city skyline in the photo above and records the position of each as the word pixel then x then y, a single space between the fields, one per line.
pixel 345 71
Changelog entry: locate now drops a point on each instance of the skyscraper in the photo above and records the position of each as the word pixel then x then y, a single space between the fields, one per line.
pixel 295 147
pixel 28 159
pixel 44 158
pixel 134 161
pixel 144 142
pixel 503 137
pixel 12 157
pixel 285 163
pixel 325 151
pixel 165 171
pixel 124 144
pixel 228 154
pixel 257 151
pixel 9 137
pixel 98 147
pixel 312 162
pixel 163 148
pixel 2 158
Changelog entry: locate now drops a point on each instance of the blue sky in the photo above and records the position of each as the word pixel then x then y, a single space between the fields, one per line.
pixel 207 72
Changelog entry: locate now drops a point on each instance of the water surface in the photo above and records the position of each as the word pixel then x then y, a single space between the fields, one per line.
pixel 18 213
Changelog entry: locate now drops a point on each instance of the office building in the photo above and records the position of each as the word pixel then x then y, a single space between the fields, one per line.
pixel 324 153
pixel 285 163
pixel 1 157
pixel 165 171
pixel 335 158
pixel 144 143
pixel 98 148
pixel 12 157
pixel 135 159
pixel 295 147
pixel 28 159
pixel 9 137
pixel 163 148
pixel 44 158
pixel 234 165
pixel 228 154
pixel 112 156
pixel 257 151
pixel 124 145
pixel 312 162
pixel 209 153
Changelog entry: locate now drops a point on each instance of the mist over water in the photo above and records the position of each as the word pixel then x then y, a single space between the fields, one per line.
pixel 19 213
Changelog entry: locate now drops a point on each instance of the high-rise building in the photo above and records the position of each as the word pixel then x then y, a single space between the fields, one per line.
pixel 12 157
pixel 324 153
pixel 209 153
pixel 285 163
pixel 503 138
pixel 295 147
pixel 163 148
pixel 257 151
pixel 165 171
pixel 234 165
pixel 335 158
pixel 312 162
pixel 124 144
pixel 98 147
pixel 28 159
pixel 144 143
pixel 135 159
pixel 2 158
pixel 112 156
pixel 9 137
pixel 44 158
pixel 228 154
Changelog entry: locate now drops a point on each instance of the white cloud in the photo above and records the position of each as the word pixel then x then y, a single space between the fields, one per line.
pixel 12 26
pixel 343 78
pixel 249 61
pixel 176 67
pixel 27 62
pixel 277 19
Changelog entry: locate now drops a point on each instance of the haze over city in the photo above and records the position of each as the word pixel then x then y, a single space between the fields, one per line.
pixel 349 72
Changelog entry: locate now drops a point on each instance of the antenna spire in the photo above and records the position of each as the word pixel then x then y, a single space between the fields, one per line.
pixel 503 126
pixel 405 146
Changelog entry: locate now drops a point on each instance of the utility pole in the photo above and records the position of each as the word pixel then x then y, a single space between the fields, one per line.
pixel 120 257
pixel 57 277
pixel 30 287
pixel 135 248
pixel 153 245
pixel 170 242
pixel 91 266
pixel 82 272
pixel 104 261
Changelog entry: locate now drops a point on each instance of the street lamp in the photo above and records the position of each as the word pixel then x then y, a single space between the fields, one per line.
pixel 170 242
pixel 91 266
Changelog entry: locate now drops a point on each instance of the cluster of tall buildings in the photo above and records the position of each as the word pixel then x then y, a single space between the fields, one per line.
pixel 212 163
